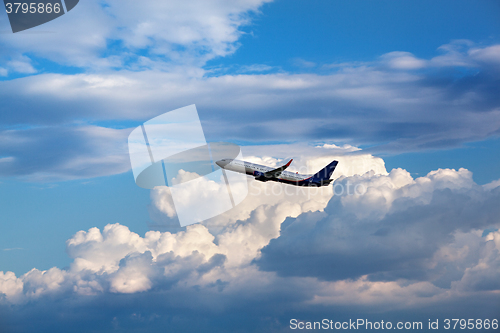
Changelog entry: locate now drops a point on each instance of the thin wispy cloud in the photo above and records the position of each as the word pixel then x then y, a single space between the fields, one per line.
pixel 13 249
pixel 298 62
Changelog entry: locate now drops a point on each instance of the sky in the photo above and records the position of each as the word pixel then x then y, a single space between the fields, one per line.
pixel 404 94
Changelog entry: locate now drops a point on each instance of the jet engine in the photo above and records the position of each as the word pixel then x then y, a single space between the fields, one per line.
pixel 260 176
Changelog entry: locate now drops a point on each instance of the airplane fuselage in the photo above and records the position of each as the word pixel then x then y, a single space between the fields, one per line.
pixel 259 172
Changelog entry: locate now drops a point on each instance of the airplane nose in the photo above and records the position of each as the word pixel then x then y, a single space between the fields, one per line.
pixel 222 163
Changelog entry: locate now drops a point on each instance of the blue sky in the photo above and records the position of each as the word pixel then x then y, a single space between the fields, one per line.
pixel 414 85
pixel 333 32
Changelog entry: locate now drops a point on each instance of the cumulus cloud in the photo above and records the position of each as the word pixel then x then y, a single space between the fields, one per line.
pixel 10 285
pixel 392 230
pixel 306 159
pixel 403 243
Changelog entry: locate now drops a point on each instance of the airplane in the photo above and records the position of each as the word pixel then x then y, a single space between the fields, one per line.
pixel 264 173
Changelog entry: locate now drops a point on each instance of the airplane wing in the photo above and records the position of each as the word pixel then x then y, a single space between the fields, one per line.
pixel 277 172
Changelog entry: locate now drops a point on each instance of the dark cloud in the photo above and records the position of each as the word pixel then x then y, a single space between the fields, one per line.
pixel 164 312
pixel 59 153
pixel 347 242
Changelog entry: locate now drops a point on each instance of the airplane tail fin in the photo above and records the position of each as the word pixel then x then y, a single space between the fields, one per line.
pixel 326 172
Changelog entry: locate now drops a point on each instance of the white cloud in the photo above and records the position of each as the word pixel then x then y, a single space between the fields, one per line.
pixel 181 33
pixel 37 283
pixel 10 285
pixel 7 159
pixel 22 65
pixel 402 243
pixel 492 185
pixel 133 275
pixel 345 146
pixel 488 55
pixel 108 248
pixel 309 159
pixel 364 105
pixel 121 261
pixel 403 60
